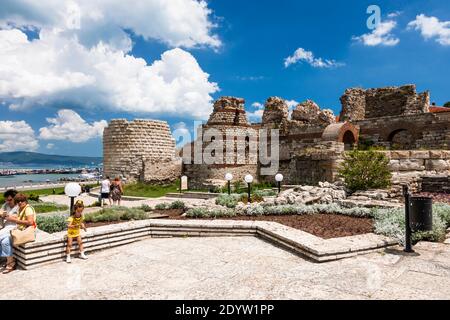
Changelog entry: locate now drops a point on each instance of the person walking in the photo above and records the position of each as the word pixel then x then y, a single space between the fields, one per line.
pixel 116 191
pixel 105 191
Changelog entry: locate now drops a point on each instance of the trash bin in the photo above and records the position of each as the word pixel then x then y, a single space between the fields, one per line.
pixel 421 213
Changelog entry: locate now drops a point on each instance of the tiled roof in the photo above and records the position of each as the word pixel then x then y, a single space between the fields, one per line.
pixel 436 109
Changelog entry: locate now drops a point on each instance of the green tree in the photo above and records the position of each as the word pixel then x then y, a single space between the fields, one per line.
pixel 363 170
pixel 447 104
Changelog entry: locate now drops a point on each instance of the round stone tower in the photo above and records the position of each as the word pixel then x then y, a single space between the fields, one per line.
pixel 140 150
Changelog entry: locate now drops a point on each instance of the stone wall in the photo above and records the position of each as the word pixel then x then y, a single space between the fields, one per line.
pixel 359 104
pixel 308 112
pixel 275 111
pixel 410 166
pixel 353 105
pixel 230 111
pixel 131 149
pixel 439 183
pixel 419 131
pixel 311 163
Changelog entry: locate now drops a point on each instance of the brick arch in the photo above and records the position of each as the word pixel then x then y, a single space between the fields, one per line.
pixel 339 131
pixel 389 131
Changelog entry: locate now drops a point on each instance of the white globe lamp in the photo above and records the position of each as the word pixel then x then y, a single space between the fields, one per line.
pixel 278 179
pixel 72 190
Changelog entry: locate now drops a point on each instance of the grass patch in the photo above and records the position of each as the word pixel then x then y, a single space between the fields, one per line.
pixel 149 191
pixel 44 207
pixel 34 195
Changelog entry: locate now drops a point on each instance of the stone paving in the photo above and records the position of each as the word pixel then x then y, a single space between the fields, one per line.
pixel 234 268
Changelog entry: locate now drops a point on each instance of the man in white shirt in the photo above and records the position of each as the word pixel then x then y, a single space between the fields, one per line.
pixel 105 191
pixel 8 208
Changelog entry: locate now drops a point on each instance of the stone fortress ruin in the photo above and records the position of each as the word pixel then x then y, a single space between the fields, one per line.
pixel 140 150
pixel 312 141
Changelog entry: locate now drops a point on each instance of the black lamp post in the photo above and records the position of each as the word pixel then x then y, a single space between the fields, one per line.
pixel 229 177
pixel 408 244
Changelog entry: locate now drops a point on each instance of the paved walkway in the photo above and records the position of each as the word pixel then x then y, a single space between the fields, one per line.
pixel 233 268
pixel 88 200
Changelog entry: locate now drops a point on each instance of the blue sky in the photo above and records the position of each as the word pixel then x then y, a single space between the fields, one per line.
pixel 241 45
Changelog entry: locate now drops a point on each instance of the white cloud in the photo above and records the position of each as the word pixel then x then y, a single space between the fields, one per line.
pixel 291 104
pixel 381 35
pixel 99 77
pixel 181 133
pixel 255 116
pixel 432 27
pixel 82 57
pixel 17 136
pixel 257 105
pixel 50 146
pixel 181 128
pixel 176 22
pixel 307 56
pixel 394 14
pixel 68 125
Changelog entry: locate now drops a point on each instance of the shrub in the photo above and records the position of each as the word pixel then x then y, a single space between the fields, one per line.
pixel 178 204
pixel 447 104
pixel 146 208
pixel 265 193
pixel 51 223
pixel 237 185
pixel 116 214
pixel 391 223
pixel 253 197
pixel 229 201
pixel 207 213
pixel 95 204
pixel 161 206
pixel 363 170
pixel 33 197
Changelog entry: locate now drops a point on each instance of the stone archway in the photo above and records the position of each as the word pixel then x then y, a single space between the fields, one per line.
pixel 401 139
pixel 349 140
pixel 344 132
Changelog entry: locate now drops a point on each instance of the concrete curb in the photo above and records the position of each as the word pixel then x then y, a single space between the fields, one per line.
pixel 50 248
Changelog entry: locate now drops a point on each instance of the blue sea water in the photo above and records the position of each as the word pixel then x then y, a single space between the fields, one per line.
pixel 23 179
pixel 27 179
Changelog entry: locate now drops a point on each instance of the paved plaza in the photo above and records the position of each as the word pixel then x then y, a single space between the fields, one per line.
pixel 233 268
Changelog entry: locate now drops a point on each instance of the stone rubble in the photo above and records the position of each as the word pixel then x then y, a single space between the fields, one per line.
pixel 325 193
pixel 308 112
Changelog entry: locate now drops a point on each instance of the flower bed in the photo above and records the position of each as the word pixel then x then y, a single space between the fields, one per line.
pixel 388 222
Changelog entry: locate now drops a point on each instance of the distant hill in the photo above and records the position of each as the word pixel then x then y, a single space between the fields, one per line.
pixel 33 158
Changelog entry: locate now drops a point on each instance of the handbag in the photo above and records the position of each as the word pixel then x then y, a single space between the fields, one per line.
pixel 26 235
pixel 20 237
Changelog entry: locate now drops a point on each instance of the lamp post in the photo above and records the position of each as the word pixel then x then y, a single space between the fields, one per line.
pixel 72 190
pixel 278 179
pixel 408 245
pixel 249 179
pixel 229 177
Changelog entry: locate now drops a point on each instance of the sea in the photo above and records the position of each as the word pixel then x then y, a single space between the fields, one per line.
pixel 28 179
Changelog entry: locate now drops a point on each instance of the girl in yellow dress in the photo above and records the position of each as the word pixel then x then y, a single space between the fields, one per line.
pixel 76 222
